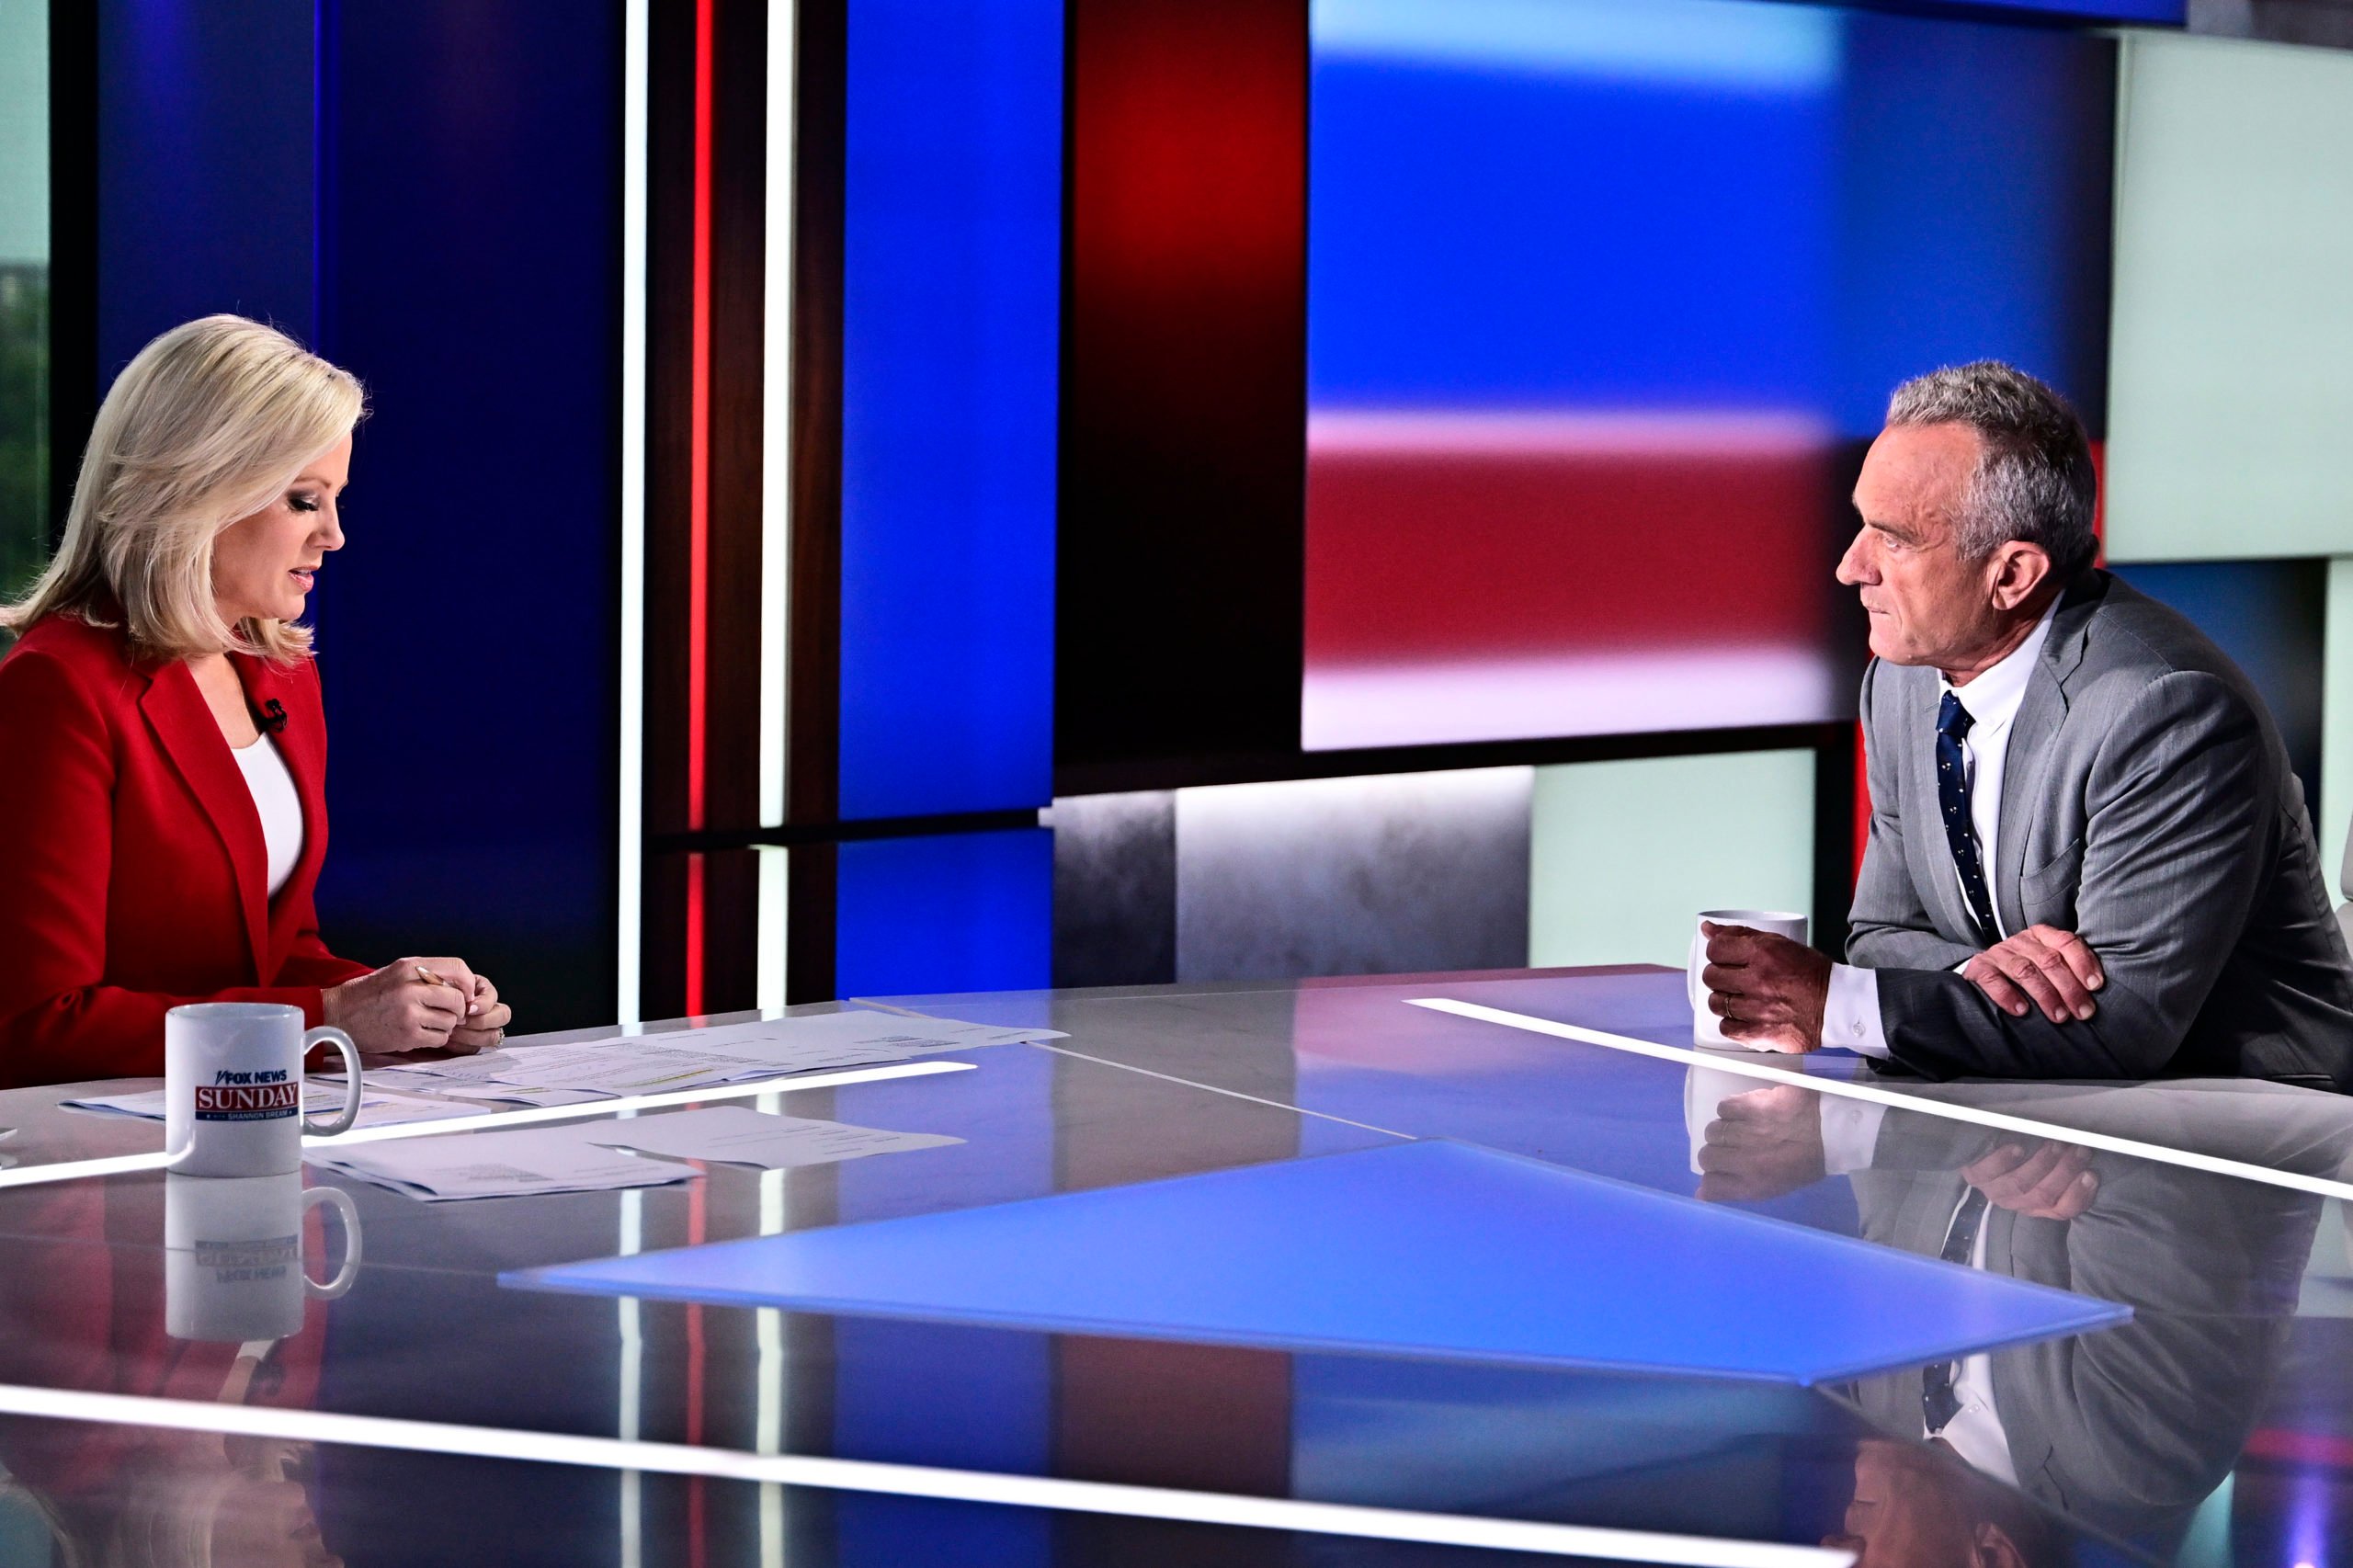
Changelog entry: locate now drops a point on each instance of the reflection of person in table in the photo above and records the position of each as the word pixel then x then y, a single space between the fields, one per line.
pixel 1914 1507
pixel 82 1308
pixel 2090 856
pixel 2125 1429
pixel 163 807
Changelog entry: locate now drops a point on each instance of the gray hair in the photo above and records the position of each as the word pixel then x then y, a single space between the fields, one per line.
pixel 2034 480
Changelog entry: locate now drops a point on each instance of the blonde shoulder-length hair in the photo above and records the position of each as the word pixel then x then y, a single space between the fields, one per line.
pixel 210 424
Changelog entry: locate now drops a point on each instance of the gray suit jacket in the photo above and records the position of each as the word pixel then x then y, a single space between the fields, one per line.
pixel 2148 806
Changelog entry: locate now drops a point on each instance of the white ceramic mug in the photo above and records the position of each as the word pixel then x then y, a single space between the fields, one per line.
pixel 232 1083
pixel 233 1261
pixel 1706 1027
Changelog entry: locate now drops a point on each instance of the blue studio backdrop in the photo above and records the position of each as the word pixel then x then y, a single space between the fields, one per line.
pixel 425 191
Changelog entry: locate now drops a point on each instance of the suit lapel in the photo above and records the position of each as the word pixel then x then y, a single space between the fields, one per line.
pixel 302 744
pixel 2043 710
pixel 190 736
pixel 1920 764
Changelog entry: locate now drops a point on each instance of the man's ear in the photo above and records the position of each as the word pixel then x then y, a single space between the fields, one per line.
pixel 2018 568
pixel 1994 1548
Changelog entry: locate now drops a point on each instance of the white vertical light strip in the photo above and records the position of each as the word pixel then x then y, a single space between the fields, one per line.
pixel 629 886
pixel 776 869
pixel 775 493
pixel 768 1433
pixel 632 1391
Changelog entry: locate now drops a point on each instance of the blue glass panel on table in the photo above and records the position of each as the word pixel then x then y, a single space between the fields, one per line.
pixel 951 247
pixel 1432 1249
pixel 961 911
pixel 1600 291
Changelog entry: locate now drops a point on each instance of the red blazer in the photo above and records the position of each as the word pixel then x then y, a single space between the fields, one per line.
pixel 133 876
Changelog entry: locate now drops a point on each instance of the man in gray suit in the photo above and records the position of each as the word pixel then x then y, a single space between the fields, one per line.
pixel 2088 855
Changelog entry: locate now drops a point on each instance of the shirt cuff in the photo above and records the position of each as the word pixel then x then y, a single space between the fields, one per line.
pixel 1850 1013
pixel 1849 1133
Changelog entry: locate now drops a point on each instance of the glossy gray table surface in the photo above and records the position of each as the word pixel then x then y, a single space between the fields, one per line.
pixel 2217 1427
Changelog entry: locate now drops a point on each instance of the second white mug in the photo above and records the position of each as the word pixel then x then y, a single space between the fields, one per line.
pixel 233 1261
pixel 1706 1027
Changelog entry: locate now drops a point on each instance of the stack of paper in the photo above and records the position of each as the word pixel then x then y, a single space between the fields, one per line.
pixel 523 1160
pixel 691 1059
pixel 586 1157
pixel 737 1135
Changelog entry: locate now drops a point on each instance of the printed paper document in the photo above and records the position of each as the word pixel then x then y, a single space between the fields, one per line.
pixel 739 1135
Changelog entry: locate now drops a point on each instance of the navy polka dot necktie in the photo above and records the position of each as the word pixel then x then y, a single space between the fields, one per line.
pixel 1939 1404
pixel 1952 798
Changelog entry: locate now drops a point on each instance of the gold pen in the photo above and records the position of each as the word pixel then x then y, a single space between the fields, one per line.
pixel 430 978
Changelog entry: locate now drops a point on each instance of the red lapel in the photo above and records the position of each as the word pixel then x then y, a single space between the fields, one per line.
pixel 302 741
pixel 191 737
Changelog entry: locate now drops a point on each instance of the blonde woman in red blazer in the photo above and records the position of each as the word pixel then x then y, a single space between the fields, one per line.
pixel 163 808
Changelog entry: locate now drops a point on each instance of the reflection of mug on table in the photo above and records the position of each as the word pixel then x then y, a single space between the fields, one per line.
pixel 232 1257
pixel 233 1085
pixel 1706 1027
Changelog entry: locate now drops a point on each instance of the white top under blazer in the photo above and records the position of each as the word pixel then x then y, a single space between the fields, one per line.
pixel 280 807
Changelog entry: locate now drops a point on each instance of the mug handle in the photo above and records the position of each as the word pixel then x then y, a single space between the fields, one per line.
pixel 348 1212
pixel 352 1088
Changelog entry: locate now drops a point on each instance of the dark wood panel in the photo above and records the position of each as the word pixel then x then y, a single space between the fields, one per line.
pixel 74 174
pixel 738 358
pixel 669 479
pixel 1183 429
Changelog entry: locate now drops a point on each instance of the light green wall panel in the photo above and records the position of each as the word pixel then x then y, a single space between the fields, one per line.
pixel 2230 397
pixel 24 131
pixel 2336 725
pixel 1624 855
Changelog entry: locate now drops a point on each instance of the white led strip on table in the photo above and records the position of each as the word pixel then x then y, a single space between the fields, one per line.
pixel 121 1165
pixel 915 1480
pixel 1999 1121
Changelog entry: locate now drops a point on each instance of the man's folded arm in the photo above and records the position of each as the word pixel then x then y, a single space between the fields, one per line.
pixel 2181 829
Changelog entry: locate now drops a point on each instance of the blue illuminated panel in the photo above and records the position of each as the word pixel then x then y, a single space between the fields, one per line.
pixel 1433 1249
pixel 2168 12
pixel 961 912
pixel 950 299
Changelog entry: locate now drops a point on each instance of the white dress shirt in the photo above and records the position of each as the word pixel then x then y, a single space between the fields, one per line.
pixel 1850 1013
pixel 280 807
pixel 1849 1140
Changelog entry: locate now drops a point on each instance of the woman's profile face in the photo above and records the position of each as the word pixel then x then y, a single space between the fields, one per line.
pixel 262 565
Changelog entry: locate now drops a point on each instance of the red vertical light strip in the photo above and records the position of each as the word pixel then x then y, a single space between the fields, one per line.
pixel 698 506
pixel 694 936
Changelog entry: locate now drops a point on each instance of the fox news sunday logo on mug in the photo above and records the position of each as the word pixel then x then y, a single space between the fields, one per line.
pixel 233 1087
pixel 249 1096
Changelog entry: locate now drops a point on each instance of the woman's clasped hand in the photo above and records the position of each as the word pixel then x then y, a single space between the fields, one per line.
pixel 419 1004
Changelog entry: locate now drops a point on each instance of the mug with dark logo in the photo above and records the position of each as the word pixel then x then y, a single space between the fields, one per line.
pixel 232 1080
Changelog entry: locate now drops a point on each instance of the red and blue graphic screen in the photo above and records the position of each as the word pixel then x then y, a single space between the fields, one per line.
pixel 1604 296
